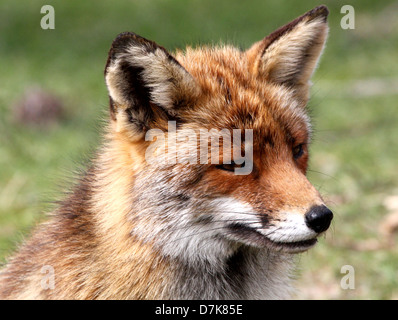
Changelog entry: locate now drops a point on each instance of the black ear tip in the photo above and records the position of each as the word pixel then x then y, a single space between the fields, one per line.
pixel 320 11
pixel 123 39
pixel 121 44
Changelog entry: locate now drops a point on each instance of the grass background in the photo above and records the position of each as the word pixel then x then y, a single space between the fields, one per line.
pixel 354 155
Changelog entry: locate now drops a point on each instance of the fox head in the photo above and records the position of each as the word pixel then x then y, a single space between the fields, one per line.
pixel 204 210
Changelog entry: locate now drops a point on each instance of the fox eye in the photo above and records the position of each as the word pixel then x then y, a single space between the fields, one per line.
pixel 298 151
pixel 229 166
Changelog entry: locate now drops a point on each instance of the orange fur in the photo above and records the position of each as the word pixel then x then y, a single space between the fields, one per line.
pixel 130 230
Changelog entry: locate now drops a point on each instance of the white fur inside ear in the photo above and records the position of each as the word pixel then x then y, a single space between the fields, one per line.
pixel 167 80
pixel 115 84
pixel 283 59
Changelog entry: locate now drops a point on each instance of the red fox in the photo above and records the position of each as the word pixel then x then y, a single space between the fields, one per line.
pixel 139 229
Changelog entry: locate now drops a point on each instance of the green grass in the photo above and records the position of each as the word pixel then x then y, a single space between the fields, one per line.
pixel 354 154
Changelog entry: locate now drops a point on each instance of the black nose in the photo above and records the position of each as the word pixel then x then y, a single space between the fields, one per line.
pixel 318 218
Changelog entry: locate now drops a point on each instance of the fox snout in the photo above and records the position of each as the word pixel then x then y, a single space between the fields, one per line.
pixel 318 218
pixel 291 211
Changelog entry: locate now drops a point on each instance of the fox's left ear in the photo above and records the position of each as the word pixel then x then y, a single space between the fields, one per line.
pixel 289 55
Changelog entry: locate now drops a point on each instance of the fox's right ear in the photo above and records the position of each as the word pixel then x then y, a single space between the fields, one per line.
pixel 146 84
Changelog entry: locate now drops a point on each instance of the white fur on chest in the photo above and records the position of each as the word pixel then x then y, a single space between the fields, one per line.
pixel 254 275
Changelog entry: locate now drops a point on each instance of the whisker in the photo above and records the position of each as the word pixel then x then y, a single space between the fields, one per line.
pixel 219 228
pixel 248 223
pixel 203 242
pixel 271 232
pixel 198 233
pixel 165 206
pixel 322 173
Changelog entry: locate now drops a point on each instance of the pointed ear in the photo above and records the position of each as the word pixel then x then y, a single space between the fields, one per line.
pixel 145 82
pixel 289 55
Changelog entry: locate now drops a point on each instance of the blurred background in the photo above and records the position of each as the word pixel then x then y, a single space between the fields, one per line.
pixel 53 104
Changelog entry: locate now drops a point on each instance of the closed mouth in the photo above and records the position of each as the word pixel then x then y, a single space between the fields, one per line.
pixel 247 234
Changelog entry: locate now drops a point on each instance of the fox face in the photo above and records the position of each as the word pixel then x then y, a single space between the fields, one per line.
pixel 197 208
